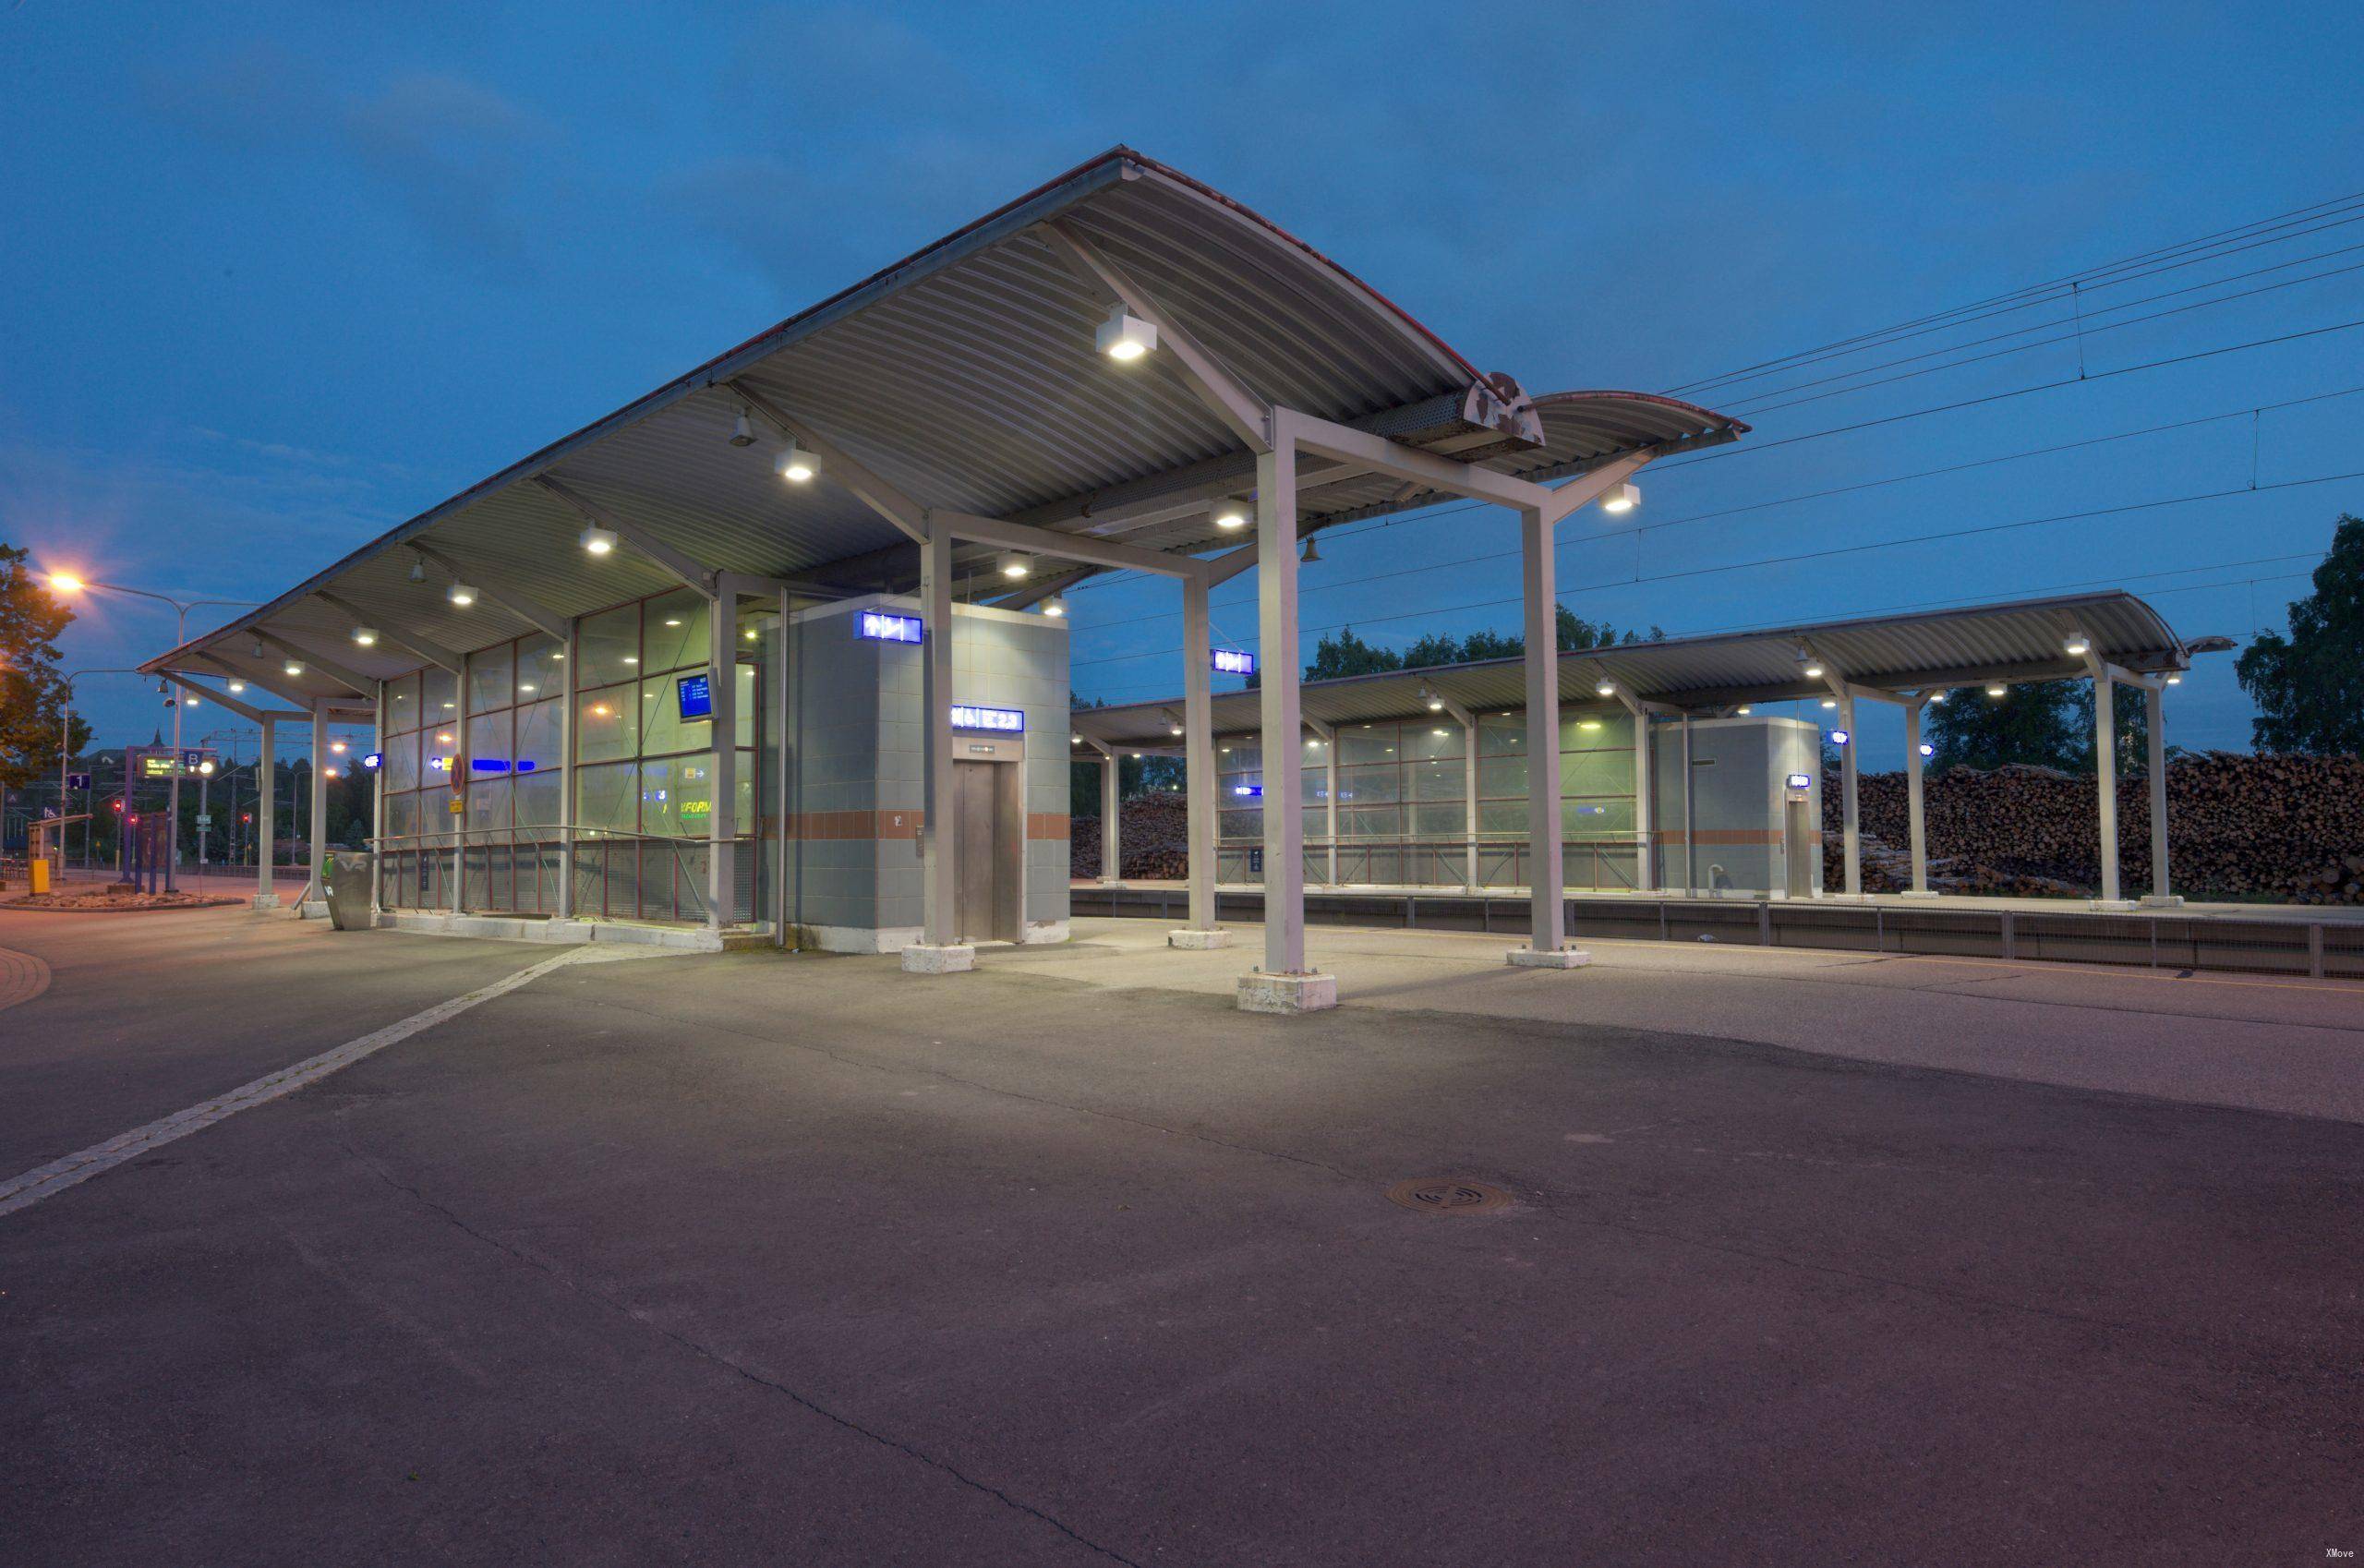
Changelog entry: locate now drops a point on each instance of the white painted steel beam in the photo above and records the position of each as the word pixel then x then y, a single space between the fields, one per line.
pixel 881 496
pixel 1249 417
pixel 496 591
pixel 1343 443
pixel 358 683
pixel 1065 547
pixel 691 574
pixel 410 642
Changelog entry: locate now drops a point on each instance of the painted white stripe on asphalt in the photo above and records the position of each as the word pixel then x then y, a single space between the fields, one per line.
pixel 51 1179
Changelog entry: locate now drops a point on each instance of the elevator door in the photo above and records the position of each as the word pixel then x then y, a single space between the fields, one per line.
pixel 986 859
pixel 1797 846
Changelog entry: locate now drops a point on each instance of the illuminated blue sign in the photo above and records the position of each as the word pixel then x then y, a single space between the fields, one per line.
pixel 696 696
pixel 1251 791
pixel 1231 661
pixel 373 761
pixel 1008 720
pixel 1800 781
pixel 881 627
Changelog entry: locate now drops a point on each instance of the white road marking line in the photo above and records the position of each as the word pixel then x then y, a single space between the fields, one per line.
pixel 51 1179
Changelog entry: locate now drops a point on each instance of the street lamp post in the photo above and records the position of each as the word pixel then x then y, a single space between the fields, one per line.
pixel 66 582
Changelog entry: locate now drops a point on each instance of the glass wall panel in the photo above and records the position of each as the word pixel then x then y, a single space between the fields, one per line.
pixel 442 696
pixel 607 724
pixel 541 667
pixel 401 753
pixel 537 798
pixel 491 673
pixel 1366 743
pixel 606 796
pixel 488 811
pixel 1425 741
pixel 609 645
pixel 662 727
pixel 402 705
pixel 538 738
pixel 673 631
pixel 488 748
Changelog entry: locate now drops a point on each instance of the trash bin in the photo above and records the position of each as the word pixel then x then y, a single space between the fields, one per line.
pixel 348 888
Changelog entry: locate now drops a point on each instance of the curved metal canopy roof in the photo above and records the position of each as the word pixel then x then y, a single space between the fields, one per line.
pixel 2011 642
pixel 967 377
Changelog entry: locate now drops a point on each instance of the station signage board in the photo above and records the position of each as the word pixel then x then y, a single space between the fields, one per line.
pixel 1231 661
pixel 1006 720
pixel 880 626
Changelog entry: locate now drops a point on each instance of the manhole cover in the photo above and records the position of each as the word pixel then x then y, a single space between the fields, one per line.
pixel 1448 1195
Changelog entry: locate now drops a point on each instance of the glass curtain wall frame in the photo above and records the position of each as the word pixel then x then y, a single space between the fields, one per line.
pixel 1401 811
pixel 644 767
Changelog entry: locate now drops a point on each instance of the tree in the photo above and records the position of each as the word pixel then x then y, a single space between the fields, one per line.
pixel 2310 686
pixel 1346 654
pixel 32 689
pixel 2037 723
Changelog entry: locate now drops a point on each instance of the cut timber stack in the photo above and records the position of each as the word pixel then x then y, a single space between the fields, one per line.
pixel 1152 837
pixel 2282 828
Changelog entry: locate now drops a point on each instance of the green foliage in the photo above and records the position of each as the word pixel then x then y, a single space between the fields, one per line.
pixel 32 688
pixel 2039 724
pixel 2310 686
pixel 1346 654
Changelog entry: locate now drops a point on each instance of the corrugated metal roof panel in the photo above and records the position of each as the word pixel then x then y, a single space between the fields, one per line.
pixel 2014 642
pixel 966 376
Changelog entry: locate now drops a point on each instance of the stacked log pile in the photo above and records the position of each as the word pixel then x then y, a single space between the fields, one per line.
pixel 1152 837
pixel 2281 829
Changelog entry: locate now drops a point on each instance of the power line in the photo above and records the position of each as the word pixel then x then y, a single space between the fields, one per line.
pixel 1801 556
pixel 2082 329
pixel 2030 292
pixel 1329 585
pixel 2027 592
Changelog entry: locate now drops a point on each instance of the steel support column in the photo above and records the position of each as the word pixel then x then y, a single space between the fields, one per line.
pixel 377 807
pixel 2154 701
pixel 1199 752
pixel 1915 822
pixel 317 885
pixel 266 816
pixel 1690 835
pixel 1850 819
pixel 939 871
pixel 2106 779
pixel 566 777
pixel 1646 853
pixel 1546 873
pixel 722 812
pixel 1111 834
pixel 1284 738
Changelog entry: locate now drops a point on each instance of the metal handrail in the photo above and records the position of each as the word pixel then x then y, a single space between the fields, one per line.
pixel 537 832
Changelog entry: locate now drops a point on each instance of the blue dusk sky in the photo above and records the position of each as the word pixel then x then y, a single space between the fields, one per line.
pixel 274 278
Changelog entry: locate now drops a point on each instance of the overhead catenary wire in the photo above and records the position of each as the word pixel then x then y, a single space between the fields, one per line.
pixel 1800 556
pixel 1332 585
pixel 2035 293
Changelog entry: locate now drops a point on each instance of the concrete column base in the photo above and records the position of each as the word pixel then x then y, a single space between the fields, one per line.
pixel 2163 900
pixel 1198 941
pixel 1263 993
pixel 266 900
pixel 2114 906
pixel 1532 958
pixel 312 908
pixel 1918 893
pixel 919 958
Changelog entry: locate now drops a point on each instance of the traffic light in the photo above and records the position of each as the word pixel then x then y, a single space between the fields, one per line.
pixel 117 804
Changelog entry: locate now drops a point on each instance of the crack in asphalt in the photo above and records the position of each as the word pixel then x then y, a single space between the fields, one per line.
pixel 738 1368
